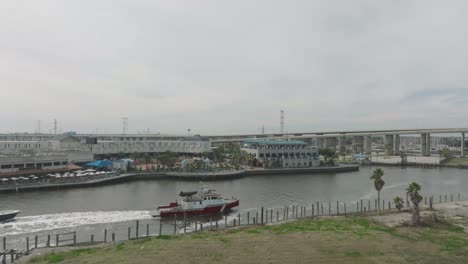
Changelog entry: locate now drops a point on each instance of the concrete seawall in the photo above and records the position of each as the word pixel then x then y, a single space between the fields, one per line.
pixel 334 169
pixel 179 176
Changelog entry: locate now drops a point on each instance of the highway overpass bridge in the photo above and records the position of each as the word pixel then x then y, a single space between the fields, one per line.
pixel 362 139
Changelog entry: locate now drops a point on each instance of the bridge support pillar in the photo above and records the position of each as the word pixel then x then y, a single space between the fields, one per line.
pixel 332 142
pixel 423 145
pixel 342 144
pixel 321 143
pixel 368 145
pixel 462 152
pixel 388 145
pixel 396 145
pixel 428 144
pixel 358 142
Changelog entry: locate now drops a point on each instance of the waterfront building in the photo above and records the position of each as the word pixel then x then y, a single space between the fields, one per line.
pixel 282 153
pixel 41 162
pixel 107 145
pixel 19 147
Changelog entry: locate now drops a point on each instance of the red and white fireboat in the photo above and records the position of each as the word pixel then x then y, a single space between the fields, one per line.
pixel 204 202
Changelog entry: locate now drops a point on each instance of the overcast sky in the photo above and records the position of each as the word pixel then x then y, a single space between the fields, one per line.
pixel 231 66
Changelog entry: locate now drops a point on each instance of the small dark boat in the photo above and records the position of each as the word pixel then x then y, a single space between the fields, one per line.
pixel 8 215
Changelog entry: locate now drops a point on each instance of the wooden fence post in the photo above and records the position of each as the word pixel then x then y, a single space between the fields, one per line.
pixel 318 209
pixel 160 227
pixel 216 224
pixel 329 208
pixel 74 238
pixel 105 235
pixel 92 238
pixel 211 225
pixel 287 212
pixel 345 208
pixel 430 202
pixel 277 216
pixel 313 210
pixel 445 198
pixel 262 217
pixel 361 205
pixel 321 207
pixel 48 241
pixel 57 240
pixel 389 205
pixel 175 225
pixel 425 201
pixel 337 208
pixel 271 215
pixel 383 205
pixel 27 244
pixel 137 228
pixel 113 237
pixel 35 241
pixel 4 243
pixel 368 205
pixel 248 218
pixel 147 230
pixel 375 205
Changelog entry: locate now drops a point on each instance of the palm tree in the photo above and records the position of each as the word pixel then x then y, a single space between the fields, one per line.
pixel 398 203
pixel 379 183
pixel 413 193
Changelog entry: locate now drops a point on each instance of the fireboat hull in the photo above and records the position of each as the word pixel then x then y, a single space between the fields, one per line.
pixel 202 211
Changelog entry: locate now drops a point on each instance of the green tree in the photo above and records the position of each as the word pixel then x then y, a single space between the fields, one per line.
pixel 327 153
pixel 398 203
pixel 445 153
pixel 404 158
pixel 167 159
pixel 379 183
pixel 413 193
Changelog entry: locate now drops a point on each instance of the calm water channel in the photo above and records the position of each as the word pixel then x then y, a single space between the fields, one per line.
pixel 121 203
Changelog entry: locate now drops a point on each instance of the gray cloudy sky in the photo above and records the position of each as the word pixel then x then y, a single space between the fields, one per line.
pixel 230 66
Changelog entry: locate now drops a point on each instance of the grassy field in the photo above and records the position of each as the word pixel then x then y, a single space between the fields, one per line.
pixel 456 162
pixel 334 240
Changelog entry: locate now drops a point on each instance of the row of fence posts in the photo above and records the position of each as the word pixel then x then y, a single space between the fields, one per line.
pixel 262 217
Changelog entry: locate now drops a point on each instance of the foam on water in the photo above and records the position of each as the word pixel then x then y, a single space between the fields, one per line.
pixel 373 193
pixel 31 224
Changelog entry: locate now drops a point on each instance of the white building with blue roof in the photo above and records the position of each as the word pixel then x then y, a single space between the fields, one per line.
pixel 283 153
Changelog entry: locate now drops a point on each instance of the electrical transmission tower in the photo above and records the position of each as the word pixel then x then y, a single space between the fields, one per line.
pixel 282 122
pixel 55 126
pixel 38 130
pixel 124 125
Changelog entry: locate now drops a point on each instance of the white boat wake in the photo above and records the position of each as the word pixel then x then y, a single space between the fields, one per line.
pixel 37 223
